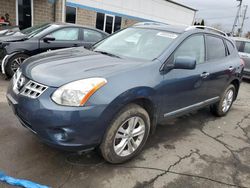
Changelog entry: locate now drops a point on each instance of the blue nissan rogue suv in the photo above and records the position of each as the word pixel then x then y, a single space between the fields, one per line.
pixel 113 96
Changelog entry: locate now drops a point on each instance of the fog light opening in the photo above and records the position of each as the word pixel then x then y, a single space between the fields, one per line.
pixel 61 136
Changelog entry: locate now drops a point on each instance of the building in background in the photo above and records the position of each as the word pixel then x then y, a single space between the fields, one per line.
pixel 107 15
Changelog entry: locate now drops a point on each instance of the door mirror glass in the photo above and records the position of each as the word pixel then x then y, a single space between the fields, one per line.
pixel 49 38
pixel 184 62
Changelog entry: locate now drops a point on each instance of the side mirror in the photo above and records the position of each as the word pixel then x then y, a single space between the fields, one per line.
pixel 49 38
pixel 184 62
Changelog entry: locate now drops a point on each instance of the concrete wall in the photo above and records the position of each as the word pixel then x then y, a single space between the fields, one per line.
pixel 43 12
pixel 86 17
pixel 127 22
pixel 151 10
pixel 131 11
pixel 8 6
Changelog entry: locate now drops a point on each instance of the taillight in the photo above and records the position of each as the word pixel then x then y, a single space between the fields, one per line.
pixel 242 62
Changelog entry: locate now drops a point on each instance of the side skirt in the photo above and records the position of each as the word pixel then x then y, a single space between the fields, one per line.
pixel 191 108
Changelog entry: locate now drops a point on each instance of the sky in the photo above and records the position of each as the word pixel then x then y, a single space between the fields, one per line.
pixel 220 12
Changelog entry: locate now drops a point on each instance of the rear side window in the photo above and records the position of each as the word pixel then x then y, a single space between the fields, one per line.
pixel 192 47
pixel 92 36
pixel 247 47
pixel 215 48
pixel 230 47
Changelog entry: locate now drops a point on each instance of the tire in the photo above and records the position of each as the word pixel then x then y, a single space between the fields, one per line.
pixel 109 147
pixel 221 108
pixel 14 63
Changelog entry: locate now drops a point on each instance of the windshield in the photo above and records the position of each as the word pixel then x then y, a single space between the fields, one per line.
pixel 32 31
pixel 139 43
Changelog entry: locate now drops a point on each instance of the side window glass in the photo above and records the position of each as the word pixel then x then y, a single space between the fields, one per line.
pixel 247 47
pixel 192 47
pixel 230 47
pixel 215 48
pixel 69 34
pixel 92 36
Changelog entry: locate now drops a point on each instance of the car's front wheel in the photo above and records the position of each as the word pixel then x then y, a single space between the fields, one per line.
pixel 14 63
pixel 223 106
pixel 127 134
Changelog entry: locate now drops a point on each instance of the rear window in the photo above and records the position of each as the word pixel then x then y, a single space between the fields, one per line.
pixel 215 48
pixel 92 36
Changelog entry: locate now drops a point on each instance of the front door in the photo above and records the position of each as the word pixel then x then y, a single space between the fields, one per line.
pixel 109 23
pixel 24 13
pixel 62 38
pixel 184 89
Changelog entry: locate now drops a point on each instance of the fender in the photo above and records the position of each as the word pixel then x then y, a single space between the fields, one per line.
pixel 6 59
pixel 131 96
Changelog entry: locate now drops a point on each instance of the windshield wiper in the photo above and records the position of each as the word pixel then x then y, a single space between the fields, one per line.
pixel 107 53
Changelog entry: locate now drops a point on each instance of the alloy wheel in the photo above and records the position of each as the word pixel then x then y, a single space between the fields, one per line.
pixel 129 136
pixel 15 64
pixel 227 101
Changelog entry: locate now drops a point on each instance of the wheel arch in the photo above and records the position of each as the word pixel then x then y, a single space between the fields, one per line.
pixel 142 96
pixel 236 84
pixel 8 57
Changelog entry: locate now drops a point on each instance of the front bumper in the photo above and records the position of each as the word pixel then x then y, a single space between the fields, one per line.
pixel 67 128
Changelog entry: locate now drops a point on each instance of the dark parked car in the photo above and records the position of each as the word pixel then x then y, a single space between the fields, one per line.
pixel 113 97
pixel 8 30
pixel 17 47
pixel 243 46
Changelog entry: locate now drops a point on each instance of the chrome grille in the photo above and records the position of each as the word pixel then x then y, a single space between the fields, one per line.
pixel 33 90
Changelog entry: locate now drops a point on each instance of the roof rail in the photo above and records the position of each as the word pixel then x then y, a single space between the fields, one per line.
pixel 149 23
pixel 207 28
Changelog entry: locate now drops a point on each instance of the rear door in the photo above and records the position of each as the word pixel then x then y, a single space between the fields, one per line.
pixel 90 37
pixel 64 38
pixel 220 65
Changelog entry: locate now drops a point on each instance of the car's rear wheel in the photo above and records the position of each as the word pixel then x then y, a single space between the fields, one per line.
pixel 223 106
pixel 127 134
pixel 14 63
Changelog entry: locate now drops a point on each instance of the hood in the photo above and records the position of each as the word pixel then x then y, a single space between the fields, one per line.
pixel 56 68
pixel 13 37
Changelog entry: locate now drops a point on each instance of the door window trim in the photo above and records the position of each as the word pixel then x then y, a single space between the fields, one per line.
pixel 32 13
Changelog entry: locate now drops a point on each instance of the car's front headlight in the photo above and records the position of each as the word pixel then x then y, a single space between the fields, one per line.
pixel 78 92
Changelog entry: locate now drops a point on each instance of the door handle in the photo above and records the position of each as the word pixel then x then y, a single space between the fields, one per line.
pixel 75 45
pixel 231 68
pixel 205 74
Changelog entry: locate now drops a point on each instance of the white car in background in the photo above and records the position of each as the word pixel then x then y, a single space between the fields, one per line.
pixel 243 46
